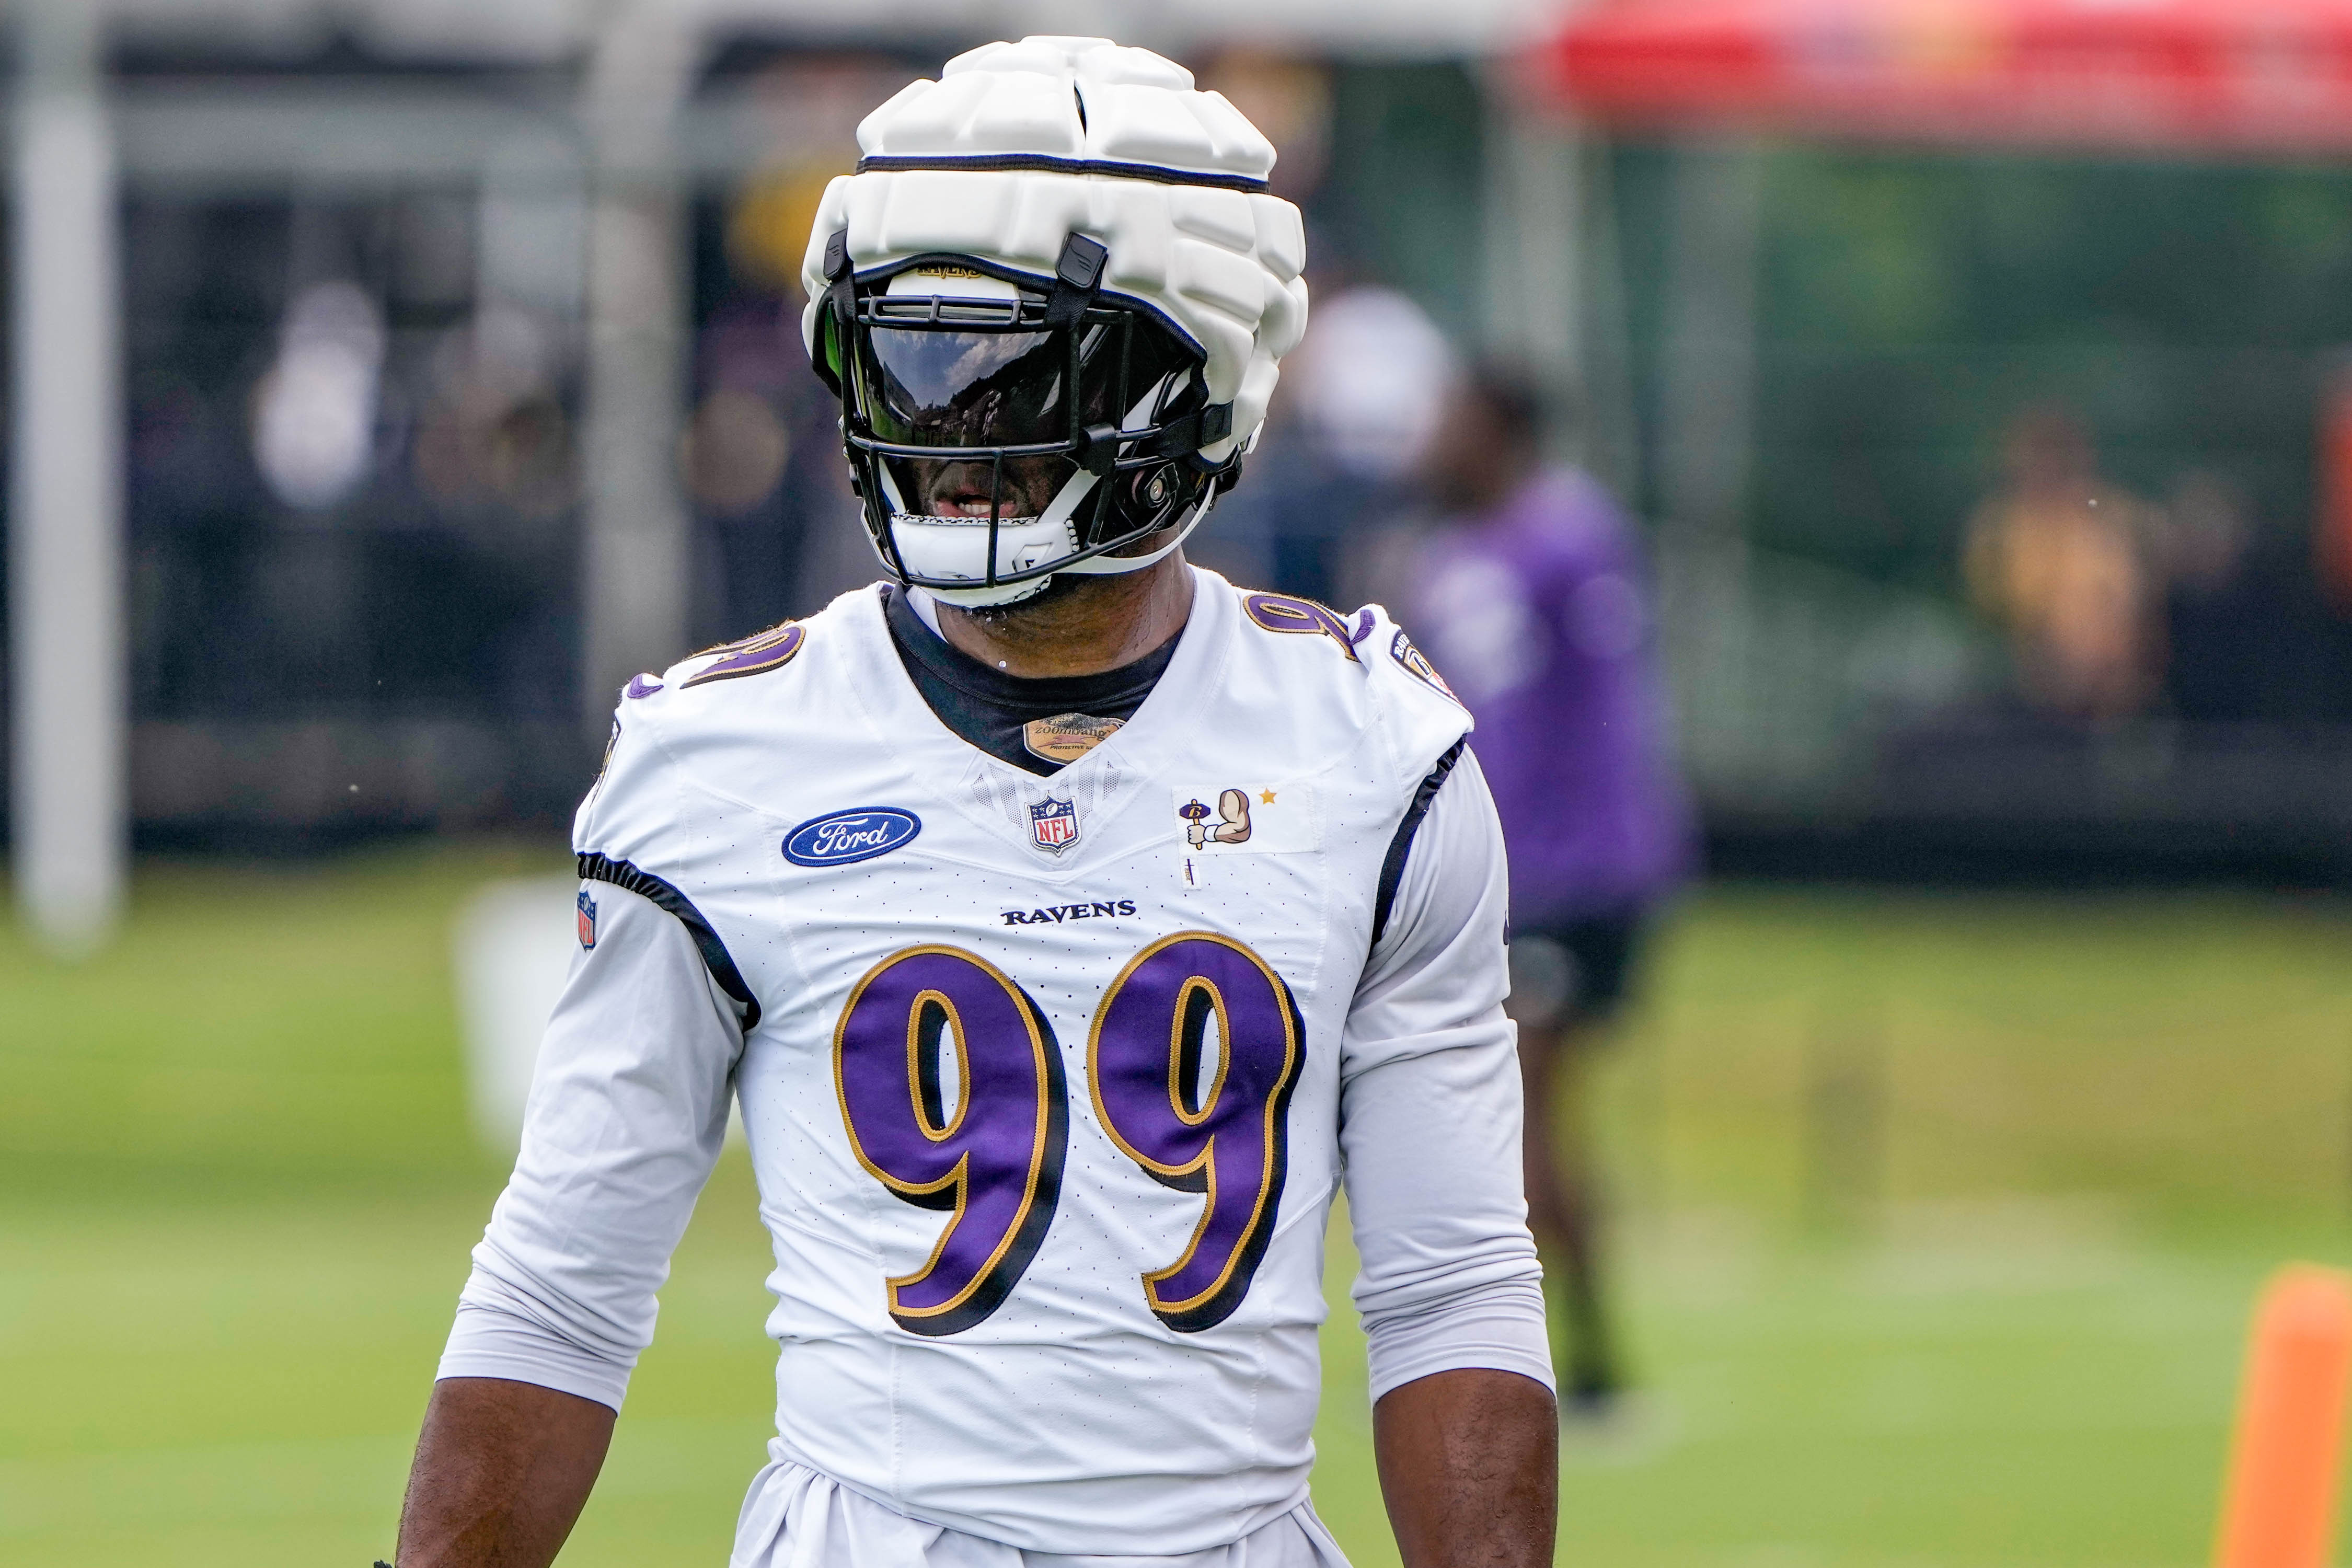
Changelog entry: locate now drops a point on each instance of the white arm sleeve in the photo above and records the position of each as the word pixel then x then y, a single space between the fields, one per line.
pixel 627 1112
pixel 1429 1115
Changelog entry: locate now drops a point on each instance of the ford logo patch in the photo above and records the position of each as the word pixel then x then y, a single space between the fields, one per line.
pixel 845 836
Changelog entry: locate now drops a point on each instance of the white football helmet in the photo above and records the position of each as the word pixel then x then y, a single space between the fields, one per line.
pixel 1059 253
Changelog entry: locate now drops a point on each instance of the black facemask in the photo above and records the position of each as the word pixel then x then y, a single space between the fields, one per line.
pixel 933 380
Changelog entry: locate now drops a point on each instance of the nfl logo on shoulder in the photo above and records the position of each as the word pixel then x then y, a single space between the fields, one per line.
pixel 1054 823
pixel 587 920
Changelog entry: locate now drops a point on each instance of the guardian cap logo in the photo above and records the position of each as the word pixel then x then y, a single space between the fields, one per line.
pixel 844 837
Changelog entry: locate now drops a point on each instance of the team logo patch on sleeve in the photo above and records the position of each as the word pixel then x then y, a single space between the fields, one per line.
pixel 845 838
pixel 1054 823
pixel 1416 664
pixel 587 920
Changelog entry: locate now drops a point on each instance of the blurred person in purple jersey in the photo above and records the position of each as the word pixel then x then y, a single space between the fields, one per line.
pixel 1533 603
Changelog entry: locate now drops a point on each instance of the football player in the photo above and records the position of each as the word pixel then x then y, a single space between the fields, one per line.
pixel 1531 592
pixel 1071 927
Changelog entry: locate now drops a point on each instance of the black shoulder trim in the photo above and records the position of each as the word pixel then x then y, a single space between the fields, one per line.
pixel 621 874
pixel 1393 864
pixel 1043 162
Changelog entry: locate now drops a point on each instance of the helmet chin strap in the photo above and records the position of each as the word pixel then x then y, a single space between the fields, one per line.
pixel 1050 528
pixel 1112 565
pixel 1138 418
pixel 1098 566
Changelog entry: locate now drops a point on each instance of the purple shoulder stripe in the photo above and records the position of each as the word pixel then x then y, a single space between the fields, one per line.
pixel 1281 613
pixel 770 649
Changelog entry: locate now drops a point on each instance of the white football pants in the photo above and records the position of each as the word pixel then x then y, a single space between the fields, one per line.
pixel 796 1518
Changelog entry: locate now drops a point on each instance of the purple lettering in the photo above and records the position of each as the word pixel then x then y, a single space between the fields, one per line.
pixel 951 1092
pixel 770 649
pixel 991 1160
pixel 1216 1126
pixel 1281 613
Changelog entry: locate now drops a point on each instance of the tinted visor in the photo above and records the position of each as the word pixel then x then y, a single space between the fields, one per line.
pixel 923 387
pixel 943 387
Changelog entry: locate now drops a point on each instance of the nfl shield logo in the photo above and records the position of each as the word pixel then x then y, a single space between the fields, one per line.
pixel 587 920
pixel 1054 823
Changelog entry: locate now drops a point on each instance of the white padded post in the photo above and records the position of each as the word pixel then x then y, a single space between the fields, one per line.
pixel 68 802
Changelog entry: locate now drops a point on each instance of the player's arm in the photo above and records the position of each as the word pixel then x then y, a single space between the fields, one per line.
pixel 1469 1464
pixel 1465 1426
pixel 628 1110
pixel 502 1472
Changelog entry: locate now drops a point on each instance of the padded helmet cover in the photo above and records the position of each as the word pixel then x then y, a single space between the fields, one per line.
pixel 1017 146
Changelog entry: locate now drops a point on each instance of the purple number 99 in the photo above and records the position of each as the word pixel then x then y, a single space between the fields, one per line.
pixel 952 1088
pixel 1201 1113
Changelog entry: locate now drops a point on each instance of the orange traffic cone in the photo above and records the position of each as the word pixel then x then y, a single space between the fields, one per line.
pixel 2278 1507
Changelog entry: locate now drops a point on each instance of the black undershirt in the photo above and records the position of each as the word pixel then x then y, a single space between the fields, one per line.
pixel 988 708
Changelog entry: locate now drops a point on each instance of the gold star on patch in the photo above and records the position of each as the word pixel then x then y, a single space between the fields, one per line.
pixel 1265 797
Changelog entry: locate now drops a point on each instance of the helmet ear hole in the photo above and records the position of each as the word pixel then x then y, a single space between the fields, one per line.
pixel 1154 495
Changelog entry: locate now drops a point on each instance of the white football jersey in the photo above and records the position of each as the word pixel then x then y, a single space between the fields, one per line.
pixel 1041 1076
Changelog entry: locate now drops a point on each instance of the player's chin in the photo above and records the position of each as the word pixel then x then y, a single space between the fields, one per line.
pixel 1058 591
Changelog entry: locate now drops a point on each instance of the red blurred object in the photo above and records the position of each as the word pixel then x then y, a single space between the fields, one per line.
pixel 2257 75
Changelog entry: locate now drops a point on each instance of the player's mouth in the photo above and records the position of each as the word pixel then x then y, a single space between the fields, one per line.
pixel 968 489
pixel 964 503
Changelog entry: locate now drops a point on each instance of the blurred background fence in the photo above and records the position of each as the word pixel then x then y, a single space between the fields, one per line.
pixel 460 379
pixel 392 378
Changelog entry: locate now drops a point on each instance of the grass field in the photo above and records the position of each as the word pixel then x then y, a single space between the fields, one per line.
pixel 1940 1215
